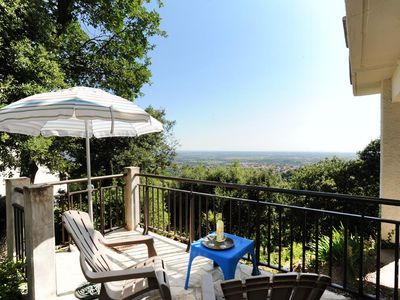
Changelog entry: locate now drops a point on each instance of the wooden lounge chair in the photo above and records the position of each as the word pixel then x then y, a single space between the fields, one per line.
pixel 289 286
pixel 116 283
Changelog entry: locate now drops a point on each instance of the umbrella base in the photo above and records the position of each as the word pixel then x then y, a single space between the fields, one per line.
pixel 88 290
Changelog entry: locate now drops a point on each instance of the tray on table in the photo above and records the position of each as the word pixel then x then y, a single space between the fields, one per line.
pixel 214 245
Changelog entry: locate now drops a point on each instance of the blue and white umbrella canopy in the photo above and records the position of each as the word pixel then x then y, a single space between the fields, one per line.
pixel 77 112
pixel 68 112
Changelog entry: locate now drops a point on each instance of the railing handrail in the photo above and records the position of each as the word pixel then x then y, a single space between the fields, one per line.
pixel 279 205
pixel 373 200
pixel 85 179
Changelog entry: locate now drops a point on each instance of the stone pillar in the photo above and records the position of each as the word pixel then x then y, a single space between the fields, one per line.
pixel 40 241
pixel 132 204
pixel 13 196
pixel 390 156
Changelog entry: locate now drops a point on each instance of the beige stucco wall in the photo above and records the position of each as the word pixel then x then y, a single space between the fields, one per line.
pixel 390 154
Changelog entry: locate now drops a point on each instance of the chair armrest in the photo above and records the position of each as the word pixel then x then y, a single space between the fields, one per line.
pixel 207 287
pixel 132 240
pixel 115 275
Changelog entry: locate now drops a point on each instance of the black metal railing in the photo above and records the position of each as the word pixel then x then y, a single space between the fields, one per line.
pixel 108 202
pixel 335 234
pixel 19 232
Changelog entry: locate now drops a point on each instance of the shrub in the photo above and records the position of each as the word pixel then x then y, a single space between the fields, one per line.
pixel 11 279
pixel 285 257
pixel 338 244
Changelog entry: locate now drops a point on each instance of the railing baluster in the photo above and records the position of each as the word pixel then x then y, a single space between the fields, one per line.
pixel 330 245
pixel 396 262
pixel 187 217
pixel 158 208
pixel 361 258
pixel 102 223
pixel 280 238
pixel 240 217
pixel 175 214
pixel 378 261
pixel 141 204
pixel 181 212
pixel 345 252
pixel 192 230
pixel 117 206
pixel 163 208
pixel 230 215
pixel 110 207
pixel 207 222
pixel 269 235
pixel 96 205
pixel 19 232
pixel 291 246
pixel 153 219
pixel 303 242
pixel 214 214
pixel 146 209
pixel 316 243
pixel 169 212
pixel 123 207
pixel 248 220
pixel 200 218
pixel 258 232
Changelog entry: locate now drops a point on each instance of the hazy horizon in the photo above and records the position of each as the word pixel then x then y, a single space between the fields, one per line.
pixel 266 151
pixel 260 159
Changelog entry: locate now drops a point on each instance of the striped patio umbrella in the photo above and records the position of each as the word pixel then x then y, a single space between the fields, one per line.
pixel 77 112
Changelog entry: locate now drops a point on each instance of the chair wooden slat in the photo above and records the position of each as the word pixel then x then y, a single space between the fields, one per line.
pixel 257 287
pixel 232 289
pixel 320 286
pixel 305 284
pixel 282 286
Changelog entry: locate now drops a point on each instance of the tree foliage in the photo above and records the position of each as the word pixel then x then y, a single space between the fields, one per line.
pixel 47 45
pixel 358 176
pixel 355 177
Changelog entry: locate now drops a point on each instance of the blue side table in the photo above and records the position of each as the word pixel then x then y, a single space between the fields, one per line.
pixel 226 259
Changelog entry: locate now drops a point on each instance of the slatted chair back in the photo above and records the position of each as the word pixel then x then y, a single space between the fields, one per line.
pixel 305 285
pixel 283 285
pixel 289 286
pixel 232 289
pixel 80 228
pixel 319 288
pixel 257 287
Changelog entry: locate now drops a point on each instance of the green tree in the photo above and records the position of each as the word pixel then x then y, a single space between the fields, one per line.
pixel 369 168
pixel 358 176
pixel 46 45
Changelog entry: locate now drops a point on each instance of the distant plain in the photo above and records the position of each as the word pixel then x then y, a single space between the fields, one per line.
pixel 260 159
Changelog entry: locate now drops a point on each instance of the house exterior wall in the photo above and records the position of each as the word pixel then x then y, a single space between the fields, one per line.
pixel 43 175
pixel 390 154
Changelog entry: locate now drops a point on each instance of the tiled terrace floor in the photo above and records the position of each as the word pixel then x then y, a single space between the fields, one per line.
pixel 69 275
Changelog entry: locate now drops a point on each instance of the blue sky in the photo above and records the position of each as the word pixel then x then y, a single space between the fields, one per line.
pixel 259 75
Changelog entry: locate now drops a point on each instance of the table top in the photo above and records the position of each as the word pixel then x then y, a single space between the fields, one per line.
pixel 241 246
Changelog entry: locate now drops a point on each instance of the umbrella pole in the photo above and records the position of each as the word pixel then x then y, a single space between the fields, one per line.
pixel 89 176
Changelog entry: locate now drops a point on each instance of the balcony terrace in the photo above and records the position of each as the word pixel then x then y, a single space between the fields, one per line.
pixel 304 231
pixel 69 274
